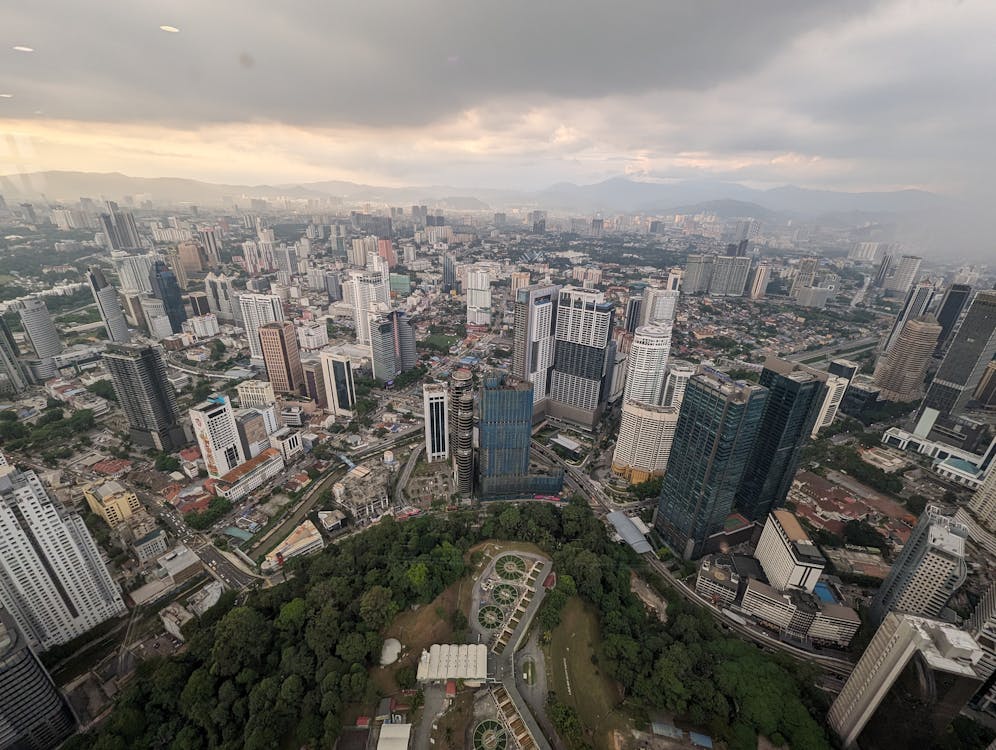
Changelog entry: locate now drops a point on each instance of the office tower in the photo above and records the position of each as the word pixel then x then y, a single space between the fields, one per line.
pixel 166 288
pixel 533 341
pixel 795 395
pixel 119 229
pixel 221 295
pixel 138 374
pixel 13 378
pixel 505 432
pixel 713 442
pixel 392 345
pixel 368 295
pixel 928 570
pixel 157 322
pixel 436 413
pixel 385 249
pixel 805 276
pixel 212 246
pixel 255 394
pixel 282 357
pixel 213 423
pixel 106 298
pixel 836 388
pixel 917 303
pixel 359 248
pixel 985 393
pixel 172 257
pixel 866 252
pixel 729 275
pixel 340 392
pixel 658 306
pixel 192 257
pixel 904 274
pixel 843 368
pixel 787 555
pixel 678 375
pixel 333 285
pixel 949 311
pixel 910 683
pixel 478 297
pixel 44 339
pixel 634 306
pixel 583 356
pixel 314 382
pixel 33 714
pixel 520 279
pixel 199 304
pixel 759 281
pixel 254 432
pixel 698 273
pixel 286 260
pixel 901 372
pixel 971 348
pixel 982 627
pixel 449 272
pixel 462 429
pixel 647 364
pixel 53 581
pixel 257 311
pixel 643 445
pixel 675 277
pixel 133 272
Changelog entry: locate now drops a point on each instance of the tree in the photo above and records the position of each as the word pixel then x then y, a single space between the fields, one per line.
pixel 376 607
pixel 104 389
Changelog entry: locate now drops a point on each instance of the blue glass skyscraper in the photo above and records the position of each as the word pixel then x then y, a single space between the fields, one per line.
pixel 165 287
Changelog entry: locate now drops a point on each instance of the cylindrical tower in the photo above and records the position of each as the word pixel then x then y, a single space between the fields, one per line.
pixel 648 364
pixel 462 429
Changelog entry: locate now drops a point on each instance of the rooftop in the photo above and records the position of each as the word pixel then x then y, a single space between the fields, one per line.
pixel 240 472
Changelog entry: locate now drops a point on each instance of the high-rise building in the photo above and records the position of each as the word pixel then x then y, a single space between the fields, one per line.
pixel 254 431
pixel 340 391
pixel 257 311
pixel 462 429
pixel 13 378
pixel 836 388
pixel 795 394
pixel 787 555
pixel 917 303
pixel 910 683
pixel 949 311
pixel 282 357
pixel 157 322
pixel 901 372
pixel 53 581
pixel 928 570
pixel 221 295
pixel 435 411
pixel 520 279
pixel 713 442
pixel 449 272
pixel 369 296
pixel 885 266
pixel 805 276
pixel 392 345
pixel 138 374
pixel 212 246
pixel 112 502
pixel 533 337
pixel 314 381
pixel 647 364
pixel 982 627
pixel 119 228
pixel 904 274
pixel 505 430
pixel 971 348
pixel 255 394
pixel 42 335
pixel 759 281
pixel 679 373
pixel 33 714
pixel 133 272
pixel 698 273
pixel 165 288
pixel 172 257
pixel 106 298
pixel 583 356
pixel 985 393
pixel 478 297
pixel 658 306
pixel 192 257
pixel 729 275
pixel 213 423
pixel 360 247
pixel 643 445
pixel 199 304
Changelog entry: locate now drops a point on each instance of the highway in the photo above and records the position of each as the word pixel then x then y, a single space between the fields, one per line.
pixel 843 349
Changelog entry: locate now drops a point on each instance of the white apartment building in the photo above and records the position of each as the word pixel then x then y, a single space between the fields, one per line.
pixel 647 364
pixel 213 423
pixel 787 554
pixel 257 311
pixel 643 445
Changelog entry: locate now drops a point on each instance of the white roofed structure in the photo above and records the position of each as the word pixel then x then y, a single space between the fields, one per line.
pixel 451 661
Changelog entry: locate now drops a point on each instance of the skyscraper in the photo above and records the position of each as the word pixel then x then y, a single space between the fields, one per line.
pixel 794 398
pixel 478 297
pixel 257 311
pixel 982 627
pixel 221 295
pixel 138 374
pixel 505 429
pixel 13 378
pixel 435 411
pixel 903 274
pixel 679 373
pixel 836 387
pixel 106 298
pixel 805 276
pixel 255 394
pixel 314 381
pixel 658 306
pixel 759 281
pixel 634 306
pixel 900 373
pixel 133 272
pixel 449 272
pixel 647 364
pixel 282 357
pixel 643 445
pixel 729 275
pixel 42 336
pixel 157 322
pixel 910 683
pixel 341 393
pixel 533 341
pixel 519 280
pixel 369 296
pixel 392 344
pixel 971 349
pixel 165 288
pixel 212 246
pixel 698 273
pixel 949 311
pixel 713 442
pixel 213 423
pixel 119 228
pixel 462 429
pixel 32 712
pixel 917 303
pixel 928 570
pixel 52 579
pixel 583 356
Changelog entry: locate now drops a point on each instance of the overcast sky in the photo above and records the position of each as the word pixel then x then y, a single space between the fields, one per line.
pixel 847 94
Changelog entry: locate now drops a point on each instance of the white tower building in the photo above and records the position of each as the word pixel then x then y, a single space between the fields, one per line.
pixel 257 311
pixel 436 411
pixel 678 375
pixel 643 445
pixel 478 297
pixel 648 364
pixel 658 306
pixel 213 422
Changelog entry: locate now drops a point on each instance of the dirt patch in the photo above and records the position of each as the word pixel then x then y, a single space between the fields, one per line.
pixel 451 728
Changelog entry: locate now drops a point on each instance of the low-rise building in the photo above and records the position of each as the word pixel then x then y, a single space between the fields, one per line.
pixel 174 616
pixel 288 442
pixel 111 502
pixel 150 546
pixel 250 476
pixel 303 540
pixel 717 580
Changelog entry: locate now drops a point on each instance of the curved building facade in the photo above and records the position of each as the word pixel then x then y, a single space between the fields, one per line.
pixel 643 446
pixel 647 364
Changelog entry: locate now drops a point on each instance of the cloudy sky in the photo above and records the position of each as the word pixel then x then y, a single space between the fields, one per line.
pixel 848 94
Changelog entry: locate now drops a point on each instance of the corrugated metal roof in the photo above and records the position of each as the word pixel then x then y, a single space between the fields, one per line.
pixel 625 527
pixel 454 661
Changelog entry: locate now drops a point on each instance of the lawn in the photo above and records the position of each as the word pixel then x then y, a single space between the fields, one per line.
pixel 442 340
pixel 582 685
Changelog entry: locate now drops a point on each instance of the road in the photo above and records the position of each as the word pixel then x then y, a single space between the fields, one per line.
pixel 399 487
pixel 842 349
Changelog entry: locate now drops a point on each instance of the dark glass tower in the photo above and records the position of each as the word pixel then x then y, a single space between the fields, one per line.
pixel 146 396
pixel 714 440
pixel 795 396
pixel 166 288
pixel 955 299
pixel 392 344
